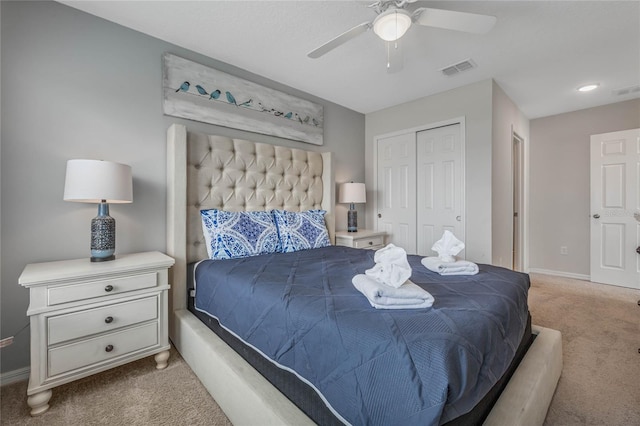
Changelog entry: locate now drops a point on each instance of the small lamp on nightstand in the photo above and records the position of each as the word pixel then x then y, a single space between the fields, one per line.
pixel 103 182
pixel 352 193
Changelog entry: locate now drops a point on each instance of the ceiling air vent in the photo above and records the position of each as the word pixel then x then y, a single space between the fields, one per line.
pixel 626 91
pixel 454 69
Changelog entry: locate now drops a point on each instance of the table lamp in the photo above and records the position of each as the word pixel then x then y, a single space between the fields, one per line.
pixel 352 193
pixel 103 182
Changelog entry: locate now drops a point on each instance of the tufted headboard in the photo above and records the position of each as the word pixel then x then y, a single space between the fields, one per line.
pixel 208 171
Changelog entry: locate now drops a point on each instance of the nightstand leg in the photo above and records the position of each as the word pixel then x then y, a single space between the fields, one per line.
pixel 161 359
pixel 39 402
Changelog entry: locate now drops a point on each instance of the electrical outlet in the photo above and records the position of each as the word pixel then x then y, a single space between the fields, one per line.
pixel 564 250
pixel 6 342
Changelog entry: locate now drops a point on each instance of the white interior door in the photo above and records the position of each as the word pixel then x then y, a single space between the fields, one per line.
pixel 615 208
pixel 439 186
pixel 397 190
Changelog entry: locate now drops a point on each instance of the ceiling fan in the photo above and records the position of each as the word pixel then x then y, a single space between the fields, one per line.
pixel 394 20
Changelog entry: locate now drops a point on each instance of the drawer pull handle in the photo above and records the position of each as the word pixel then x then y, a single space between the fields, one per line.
pixel 108 288
pixel 370 243
pixel 109 348
pixel 108 320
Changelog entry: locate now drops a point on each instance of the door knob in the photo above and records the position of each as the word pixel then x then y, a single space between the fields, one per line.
pixel 379 215
pixel 638 251
pixel 458 218
pixel 596 216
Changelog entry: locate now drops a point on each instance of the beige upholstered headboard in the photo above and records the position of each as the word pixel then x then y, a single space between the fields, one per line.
pixel 208 171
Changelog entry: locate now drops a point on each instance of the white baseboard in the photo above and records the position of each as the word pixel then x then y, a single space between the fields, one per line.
pixel 14 376
pixel 560 274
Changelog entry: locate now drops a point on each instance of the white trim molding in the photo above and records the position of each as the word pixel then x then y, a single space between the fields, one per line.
pixel 14 376
pixel 560 274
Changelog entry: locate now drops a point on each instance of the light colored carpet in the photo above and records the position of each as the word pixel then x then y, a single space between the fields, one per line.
pixel 600 326
pixel 135 394
pixel 600 383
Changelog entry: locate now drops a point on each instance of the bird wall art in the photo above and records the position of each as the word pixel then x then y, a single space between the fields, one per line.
pixel 201 93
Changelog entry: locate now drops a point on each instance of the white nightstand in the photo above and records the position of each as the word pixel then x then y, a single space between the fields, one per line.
pixel 364 238
pixel 89 317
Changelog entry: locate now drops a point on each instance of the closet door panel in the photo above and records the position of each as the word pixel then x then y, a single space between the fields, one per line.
pixel 439 168
pixel 396 178
pixel 420 187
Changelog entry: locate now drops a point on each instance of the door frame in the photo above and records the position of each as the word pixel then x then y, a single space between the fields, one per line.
pixel 522 212
pixel 449 122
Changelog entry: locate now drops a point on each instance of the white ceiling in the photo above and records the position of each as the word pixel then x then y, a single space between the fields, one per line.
pixel 539 52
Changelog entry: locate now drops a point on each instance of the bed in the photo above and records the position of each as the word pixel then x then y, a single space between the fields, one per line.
pixel 265 177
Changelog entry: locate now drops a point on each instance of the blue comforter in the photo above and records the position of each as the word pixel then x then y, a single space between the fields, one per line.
pixel 373 367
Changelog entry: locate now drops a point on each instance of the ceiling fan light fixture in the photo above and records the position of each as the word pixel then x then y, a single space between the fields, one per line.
pixel 392 24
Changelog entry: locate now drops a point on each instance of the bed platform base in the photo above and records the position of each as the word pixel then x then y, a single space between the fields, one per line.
pixel 247 398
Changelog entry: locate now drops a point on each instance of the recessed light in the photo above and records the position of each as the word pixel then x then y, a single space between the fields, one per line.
pixel 588 87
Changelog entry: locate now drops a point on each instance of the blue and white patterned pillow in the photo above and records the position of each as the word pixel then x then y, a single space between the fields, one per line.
pixel 301 230
pixel 230 235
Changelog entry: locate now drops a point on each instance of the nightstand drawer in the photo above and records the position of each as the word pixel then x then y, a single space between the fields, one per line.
pixel 92 321
pixel 373 242
pixel 88 290
pixel 87 352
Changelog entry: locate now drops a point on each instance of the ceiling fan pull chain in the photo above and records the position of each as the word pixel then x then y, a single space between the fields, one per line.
pixel 388 56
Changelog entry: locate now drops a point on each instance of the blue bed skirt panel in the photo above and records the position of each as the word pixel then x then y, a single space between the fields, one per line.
pixel 372 367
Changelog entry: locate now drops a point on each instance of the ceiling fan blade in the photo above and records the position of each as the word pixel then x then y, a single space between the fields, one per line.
pixel 395 56
pixel 452 20
pixel 341 39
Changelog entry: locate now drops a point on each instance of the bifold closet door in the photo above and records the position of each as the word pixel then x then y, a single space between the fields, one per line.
pixel 397 190
pixel 439 186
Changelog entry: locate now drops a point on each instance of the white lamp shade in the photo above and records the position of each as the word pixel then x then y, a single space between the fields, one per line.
pixel 392 24
pixel 352 193
pixel 91 181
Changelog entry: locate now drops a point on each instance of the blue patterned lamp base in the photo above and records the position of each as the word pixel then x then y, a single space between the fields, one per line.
pixel 103 235
pixel 352 221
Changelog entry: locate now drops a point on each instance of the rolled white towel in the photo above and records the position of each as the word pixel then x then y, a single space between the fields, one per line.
pixel 448 247
pixel 382 296
pixel 459 267
pixel 392 267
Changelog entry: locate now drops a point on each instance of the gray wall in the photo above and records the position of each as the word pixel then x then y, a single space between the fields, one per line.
pixel 560 188
pixel 474 103
pixel 507 118
pixel 490 115
pixel 76 86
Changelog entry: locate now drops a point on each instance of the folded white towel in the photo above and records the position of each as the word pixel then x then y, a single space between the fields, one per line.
pixel 392 267
pixel 448 247
pixel 381 296
pixel 459 267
